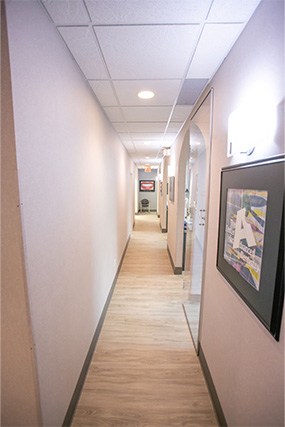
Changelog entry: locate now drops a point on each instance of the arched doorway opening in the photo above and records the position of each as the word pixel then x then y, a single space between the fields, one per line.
pixel 195 212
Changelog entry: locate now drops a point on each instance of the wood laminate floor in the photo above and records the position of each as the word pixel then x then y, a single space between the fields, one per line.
pixel 145 371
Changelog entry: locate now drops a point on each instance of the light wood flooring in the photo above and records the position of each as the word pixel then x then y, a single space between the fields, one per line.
pixel 145 371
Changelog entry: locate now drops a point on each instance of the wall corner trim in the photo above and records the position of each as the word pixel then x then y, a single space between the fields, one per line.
pixel 176 270
pixel 79 386
pixel 211 387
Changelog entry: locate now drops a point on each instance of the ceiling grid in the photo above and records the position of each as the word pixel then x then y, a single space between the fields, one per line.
pixel 171 47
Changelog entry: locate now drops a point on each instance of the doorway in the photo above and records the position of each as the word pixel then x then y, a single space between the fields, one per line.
pixel 195 213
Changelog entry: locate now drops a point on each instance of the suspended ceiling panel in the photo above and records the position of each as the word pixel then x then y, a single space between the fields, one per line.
pixel 83 46
pixel 172 47
pixel 146 114
pixel 232 10
pixel 104 92
pixel 206 59
pixel 110 12
pixel 147 52
pixel 165 91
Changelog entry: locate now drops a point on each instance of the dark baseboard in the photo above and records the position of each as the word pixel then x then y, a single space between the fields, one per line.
pixel 158 216
pixel 163 230
pixel 176 270
pixel 77 392
pixel 211 387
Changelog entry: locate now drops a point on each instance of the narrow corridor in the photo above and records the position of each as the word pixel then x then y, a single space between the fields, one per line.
pixel 145 371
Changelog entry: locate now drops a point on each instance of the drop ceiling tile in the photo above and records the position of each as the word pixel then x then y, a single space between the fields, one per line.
pixel 232 10
pixel 147 127
pixel 82 44
pixel 104 92
pixel 147 11
pixel 190 91
pixel 181 113
pixel 66 12
pixel 147 52
pixel 137 136
pixel 114 114
pixel 166 91
pixel 129 146
pixel 146 153
pixel 214 45
pixel 169 138
pixel 146 114
pixel 174 127
pixel 121 127
pixel 125 137
pixel 149 145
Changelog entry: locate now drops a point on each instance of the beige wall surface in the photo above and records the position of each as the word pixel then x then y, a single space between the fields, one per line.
pixel 246 363
pixel 76 186
pixel 19 391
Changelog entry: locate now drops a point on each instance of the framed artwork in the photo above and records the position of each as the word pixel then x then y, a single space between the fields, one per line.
pixel 147 185
pixel 251 236
pixel 171 188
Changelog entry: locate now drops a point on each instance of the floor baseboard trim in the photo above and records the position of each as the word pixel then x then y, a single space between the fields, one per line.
pixel 211 387
pixel 78 389
pixel 176 270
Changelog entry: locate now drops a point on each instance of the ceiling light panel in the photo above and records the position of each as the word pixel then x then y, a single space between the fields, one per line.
pixel 82 44
pixel 66 12
pixel 110 12
pixel 165 91
pixel 232 10
pixel 147 52
pixel 214 45
pixel 146 94
pixel 146 114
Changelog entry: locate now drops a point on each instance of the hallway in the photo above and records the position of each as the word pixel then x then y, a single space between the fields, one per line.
pixel 145 371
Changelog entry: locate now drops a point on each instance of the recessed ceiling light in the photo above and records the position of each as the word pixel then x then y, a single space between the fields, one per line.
pixel 146 94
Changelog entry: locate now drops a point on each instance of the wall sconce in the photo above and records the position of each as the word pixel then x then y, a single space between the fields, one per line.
pixel 249 127
pixel 239 140
pixel 147 168
pixel 166 151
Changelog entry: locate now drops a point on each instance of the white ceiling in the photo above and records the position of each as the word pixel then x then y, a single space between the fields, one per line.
pixel 172 47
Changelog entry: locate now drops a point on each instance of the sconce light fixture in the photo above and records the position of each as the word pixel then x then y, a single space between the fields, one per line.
pixel 249 127
pixel 166 151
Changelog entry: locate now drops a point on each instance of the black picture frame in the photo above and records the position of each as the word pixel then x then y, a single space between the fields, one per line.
pixel 254 192
pixel 147 186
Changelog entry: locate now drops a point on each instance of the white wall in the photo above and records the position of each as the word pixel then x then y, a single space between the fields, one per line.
pixel 19 389
pixel 246 363
pixel 76 201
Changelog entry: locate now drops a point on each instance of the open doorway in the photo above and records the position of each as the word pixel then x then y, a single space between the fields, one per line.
pixel 147 191
pixel 195 213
